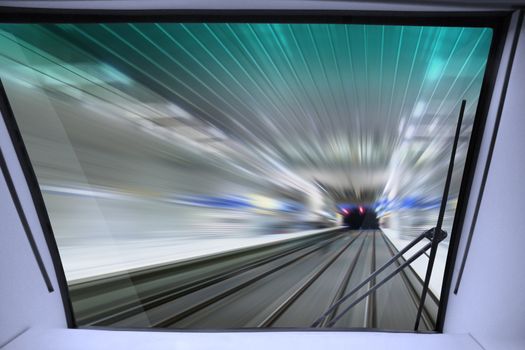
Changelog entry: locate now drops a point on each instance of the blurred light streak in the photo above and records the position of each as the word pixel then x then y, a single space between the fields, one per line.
pixel 139 132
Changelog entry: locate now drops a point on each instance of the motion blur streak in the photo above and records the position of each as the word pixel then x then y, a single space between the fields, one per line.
pixel 161 143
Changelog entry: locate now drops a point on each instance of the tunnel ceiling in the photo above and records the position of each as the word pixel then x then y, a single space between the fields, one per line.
pixel 329 103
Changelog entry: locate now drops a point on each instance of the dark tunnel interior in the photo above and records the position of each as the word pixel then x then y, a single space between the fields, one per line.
pixel 361 218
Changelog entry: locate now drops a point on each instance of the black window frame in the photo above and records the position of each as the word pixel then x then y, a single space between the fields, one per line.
pixel 498 21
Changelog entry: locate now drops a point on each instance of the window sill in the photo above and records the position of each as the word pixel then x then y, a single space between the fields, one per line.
pixel 79 339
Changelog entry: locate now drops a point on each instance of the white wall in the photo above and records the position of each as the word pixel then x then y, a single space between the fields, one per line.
pixel 24 299
pixel 490 304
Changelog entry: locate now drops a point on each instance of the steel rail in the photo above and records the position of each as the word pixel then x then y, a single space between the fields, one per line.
pixel 441 215
pixel 383 281
pixel 169 321
pixel 427 319
pixel 344 284
pixel 138 306
pixel 371 305
pixel 304 285
pixel 369 278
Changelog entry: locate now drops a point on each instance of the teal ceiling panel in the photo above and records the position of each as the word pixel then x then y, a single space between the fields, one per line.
pixel 310 96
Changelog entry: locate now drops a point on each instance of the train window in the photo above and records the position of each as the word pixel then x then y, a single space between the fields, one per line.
pixel 244 175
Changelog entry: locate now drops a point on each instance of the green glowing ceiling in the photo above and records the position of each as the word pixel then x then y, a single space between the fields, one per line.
pixel 328 101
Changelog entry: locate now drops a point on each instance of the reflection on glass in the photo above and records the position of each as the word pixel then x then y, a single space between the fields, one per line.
pixel 242 175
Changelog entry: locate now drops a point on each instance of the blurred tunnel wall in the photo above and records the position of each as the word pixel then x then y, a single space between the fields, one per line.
pixel 126 149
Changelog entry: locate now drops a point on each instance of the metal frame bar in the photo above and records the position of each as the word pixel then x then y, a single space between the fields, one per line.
pixel 436 235
pixel 377 285
pixel 23 220
pixel 38 202
pixel 501 104
pixel 366 280
pixel 441 215
pixel 427 234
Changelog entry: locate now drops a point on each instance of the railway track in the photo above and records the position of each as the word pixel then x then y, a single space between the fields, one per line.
pixel 278 285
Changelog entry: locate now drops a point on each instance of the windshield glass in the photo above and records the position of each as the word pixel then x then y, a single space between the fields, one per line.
pixel 215 175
